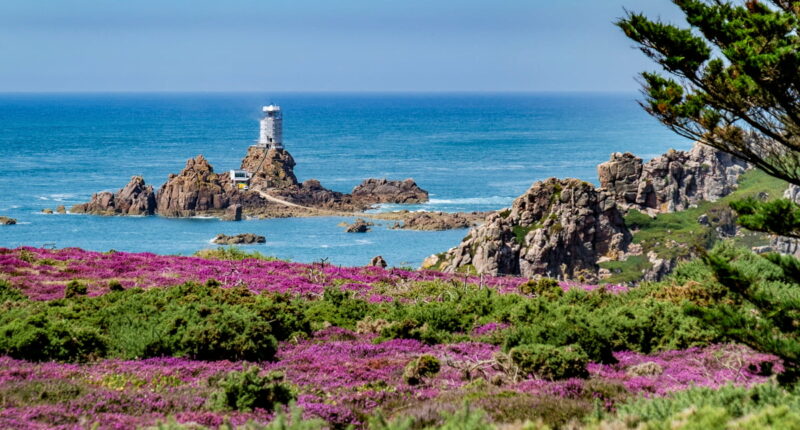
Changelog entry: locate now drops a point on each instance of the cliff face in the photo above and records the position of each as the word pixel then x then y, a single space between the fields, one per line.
pixel 272 168
pixel 196 189
pixel 374 191
pixel 671 182
pixel 136 198
pixel 558 228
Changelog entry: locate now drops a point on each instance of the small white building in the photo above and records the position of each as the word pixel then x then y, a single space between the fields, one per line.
pixel 241 179
pixel 271 134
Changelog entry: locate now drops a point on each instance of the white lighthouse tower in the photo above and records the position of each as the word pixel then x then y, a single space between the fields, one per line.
pixel 271 135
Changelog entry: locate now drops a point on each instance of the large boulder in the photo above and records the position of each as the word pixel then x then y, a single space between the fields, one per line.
pixel 558 228
pixel 195 190
pixel 136 198
pixel 373 191
pixel 673 181
pixel 271 168
pixel 4 220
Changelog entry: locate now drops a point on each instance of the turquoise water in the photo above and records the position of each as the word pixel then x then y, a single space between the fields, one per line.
pixel 470 151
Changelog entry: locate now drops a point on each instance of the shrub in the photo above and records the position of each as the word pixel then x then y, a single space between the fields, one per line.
pixel 551 362
pixel 115 285
pixel 542 287
pixel 420 368
pixel 73 289
pixel 247 390
pixel 232 253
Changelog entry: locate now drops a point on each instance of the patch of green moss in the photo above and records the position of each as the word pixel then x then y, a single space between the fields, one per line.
pixel 520 232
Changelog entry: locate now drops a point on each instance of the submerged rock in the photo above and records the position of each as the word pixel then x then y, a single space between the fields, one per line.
pixel 239 239
pixel 4 220
pixel 374 191
pixel 136 198
pixel 360 226
pixel 558 228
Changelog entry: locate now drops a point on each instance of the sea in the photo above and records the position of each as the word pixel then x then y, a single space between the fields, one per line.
pixel 470 151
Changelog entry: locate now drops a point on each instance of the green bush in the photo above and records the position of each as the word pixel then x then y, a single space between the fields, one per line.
pixel 542 287
pixel 551 362
pixel 420 368
pixel 73 289
pixel 115 285
pixel 248 390
pixel 193 321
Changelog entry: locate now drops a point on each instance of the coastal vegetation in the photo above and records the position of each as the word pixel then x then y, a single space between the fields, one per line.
pixel 182 340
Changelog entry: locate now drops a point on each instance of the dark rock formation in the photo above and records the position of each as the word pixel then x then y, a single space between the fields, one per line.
pixel 233 213
pixel 378 261
pixel 136 198
pixel 273 168
pixel 4 220
pixel 434 221
pixel 239 239
pixel 195 190
pixel 558 228
pixel 360 226
pixel 384 191
pixel 673 181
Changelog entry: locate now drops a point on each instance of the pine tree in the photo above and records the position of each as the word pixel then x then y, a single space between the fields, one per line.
pixel 731 80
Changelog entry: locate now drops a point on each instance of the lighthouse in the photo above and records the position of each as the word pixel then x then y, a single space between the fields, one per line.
pixel 271 135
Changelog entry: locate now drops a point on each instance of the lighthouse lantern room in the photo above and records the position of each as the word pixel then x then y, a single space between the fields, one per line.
pixel 271 135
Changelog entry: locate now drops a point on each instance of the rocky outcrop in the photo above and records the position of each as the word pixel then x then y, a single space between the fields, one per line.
pixel 273 168
pixel 4 220
pixel 374 191
pixel 136 198
pixel 239 239
pixel 378 261
pixel 783 244
pixel 360 226
pixel 195 190
pixel 673 181
pixel 436 221
pixel 558 228
pixel 232 213
pixel 198 190
pixel 60 209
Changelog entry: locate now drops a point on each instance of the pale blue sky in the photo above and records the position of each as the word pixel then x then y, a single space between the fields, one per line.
pixel 319 45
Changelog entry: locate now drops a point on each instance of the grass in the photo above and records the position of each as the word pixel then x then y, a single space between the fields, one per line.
pixel 679 235
pixel 232 253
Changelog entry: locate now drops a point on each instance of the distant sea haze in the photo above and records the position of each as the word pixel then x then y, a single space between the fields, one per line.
pixel 470 151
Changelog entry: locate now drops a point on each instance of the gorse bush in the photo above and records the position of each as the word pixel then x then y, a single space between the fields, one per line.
pixel 248 389
pixel 193 321
pixel 74 288
pixel 420 368
pixel 551 362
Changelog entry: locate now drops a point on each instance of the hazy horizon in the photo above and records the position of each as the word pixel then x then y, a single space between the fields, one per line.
pixel 352 46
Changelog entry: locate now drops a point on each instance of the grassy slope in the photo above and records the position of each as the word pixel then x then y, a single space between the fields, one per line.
pixel 675 235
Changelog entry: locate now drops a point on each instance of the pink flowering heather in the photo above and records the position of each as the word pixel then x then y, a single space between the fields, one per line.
pixel 45 277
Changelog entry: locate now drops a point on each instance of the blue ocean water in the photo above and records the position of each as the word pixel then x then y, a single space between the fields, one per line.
pixel 470 151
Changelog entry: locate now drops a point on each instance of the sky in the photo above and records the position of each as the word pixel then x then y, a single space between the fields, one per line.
pixel 320 45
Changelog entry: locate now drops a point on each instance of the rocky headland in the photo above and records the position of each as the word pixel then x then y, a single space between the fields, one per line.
pixel 273 192
pixel 565 228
